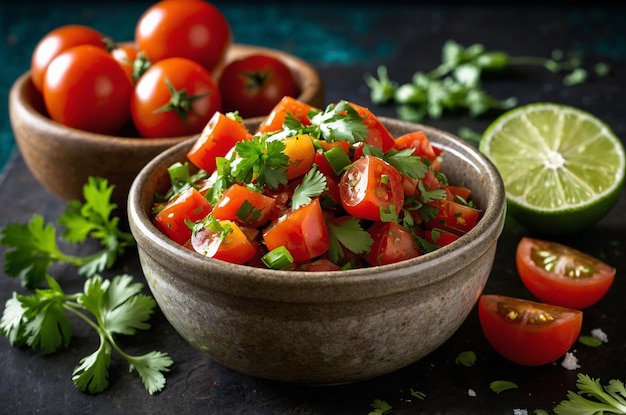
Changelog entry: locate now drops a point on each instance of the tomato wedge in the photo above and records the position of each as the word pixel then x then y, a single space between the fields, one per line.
pixel 560 275
pixel 392 243
pixel 219 135
pixel 302 231
pixel 527 332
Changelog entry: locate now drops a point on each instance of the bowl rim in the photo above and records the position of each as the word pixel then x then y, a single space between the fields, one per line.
pixel 308 79
pixel 397 276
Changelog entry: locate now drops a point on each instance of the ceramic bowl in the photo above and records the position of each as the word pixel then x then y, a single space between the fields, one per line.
pixel 62 158
pixel 327 327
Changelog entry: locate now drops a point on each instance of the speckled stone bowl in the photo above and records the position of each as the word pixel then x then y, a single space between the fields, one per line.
pixel 62 158
pixel 328 327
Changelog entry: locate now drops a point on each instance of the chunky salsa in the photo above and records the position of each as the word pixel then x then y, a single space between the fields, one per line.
pixel 313 190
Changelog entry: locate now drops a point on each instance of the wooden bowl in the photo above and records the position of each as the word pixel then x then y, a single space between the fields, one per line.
pixel 63 158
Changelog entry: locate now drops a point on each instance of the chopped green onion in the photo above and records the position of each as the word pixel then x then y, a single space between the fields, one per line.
pixel 337 158
pixel 277 258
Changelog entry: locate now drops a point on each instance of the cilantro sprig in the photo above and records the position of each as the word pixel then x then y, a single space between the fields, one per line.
pixel 593 398
pixel 456 83
pixel 111 307
pixel 263 160
pixel 312 185
pixel 33 247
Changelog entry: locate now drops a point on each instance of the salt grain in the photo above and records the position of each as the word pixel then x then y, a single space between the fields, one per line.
pixel 471 392
pixel 570 362
pixel 600 335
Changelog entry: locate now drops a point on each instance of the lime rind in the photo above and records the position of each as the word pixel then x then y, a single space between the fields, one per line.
pixel 562 168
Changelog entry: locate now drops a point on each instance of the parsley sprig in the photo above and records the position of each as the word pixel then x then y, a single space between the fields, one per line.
pixel 32 247
pixel 110 307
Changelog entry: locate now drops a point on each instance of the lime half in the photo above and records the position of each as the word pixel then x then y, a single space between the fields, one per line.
pixel 563 168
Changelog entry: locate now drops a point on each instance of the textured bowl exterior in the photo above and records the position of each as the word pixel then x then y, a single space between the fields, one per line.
pixel 63 158
pixel 327 327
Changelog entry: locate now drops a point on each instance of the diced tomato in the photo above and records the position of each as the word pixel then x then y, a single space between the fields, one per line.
pixel 302 231
pixel 188 206
pixel 527 332
pixel 320 265
pixel 392 243
pixel 232 246
pixel 287 105
pixel 560 275
pixel 369 185
pixel 244 205
pixel 378 135
pixel 454 192
pixel 301 153
pixel 454 217
pixel 440 237
pixel 422 146
pixel 219 136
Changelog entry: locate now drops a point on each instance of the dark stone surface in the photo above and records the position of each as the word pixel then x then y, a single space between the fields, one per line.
pixel 344 41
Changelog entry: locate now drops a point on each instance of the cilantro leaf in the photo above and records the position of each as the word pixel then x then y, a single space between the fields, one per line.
pixel 593 398
pixel 32 247
pixel 338 122
pixel 117 307
pixel 150 367
pixel 499 386
pixel 262 160
pixel 92 373
pixel 351 235
pixel 312 185
pixel 467 358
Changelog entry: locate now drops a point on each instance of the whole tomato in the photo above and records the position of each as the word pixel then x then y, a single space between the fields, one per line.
pixel 57 41
pixel 192 29
pixel 254 85
pixel 86 88
pixel 174 97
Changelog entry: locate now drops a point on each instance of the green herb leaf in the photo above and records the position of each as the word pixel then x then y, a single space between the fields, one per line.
pixel 499 386
pixel 590 341
pixel 592 398
pixel 262 160
pixel 313 184
pixel 351 235
pixel 467 358
pixel 380 407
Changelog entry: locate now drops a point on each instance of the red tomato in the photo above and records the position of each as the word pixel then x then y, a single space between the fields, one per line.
pixel 230 206
pixel 254 85
pixel 371 183
pixel 527 332
pixel 320 265
pixel 287 105
pixel 232 246
pixel 378 134
pixel 86 88
pixel 57 41
pixel 454 217
pixel 392 243
pixel 174 97
pixel 192 29
pixel 172 219
pixel 126 55
pixel 561 275
pixel 219 135
pixel 419 142
pixel 302 231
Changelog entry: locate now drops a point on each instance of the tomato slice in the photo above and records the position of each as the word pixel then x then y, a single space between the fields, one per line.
pixel 369 184
pixel 219 135
pixel 172 219
pixel 558 274
pixel 527 332
pixel 302 231
pixel 392 243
